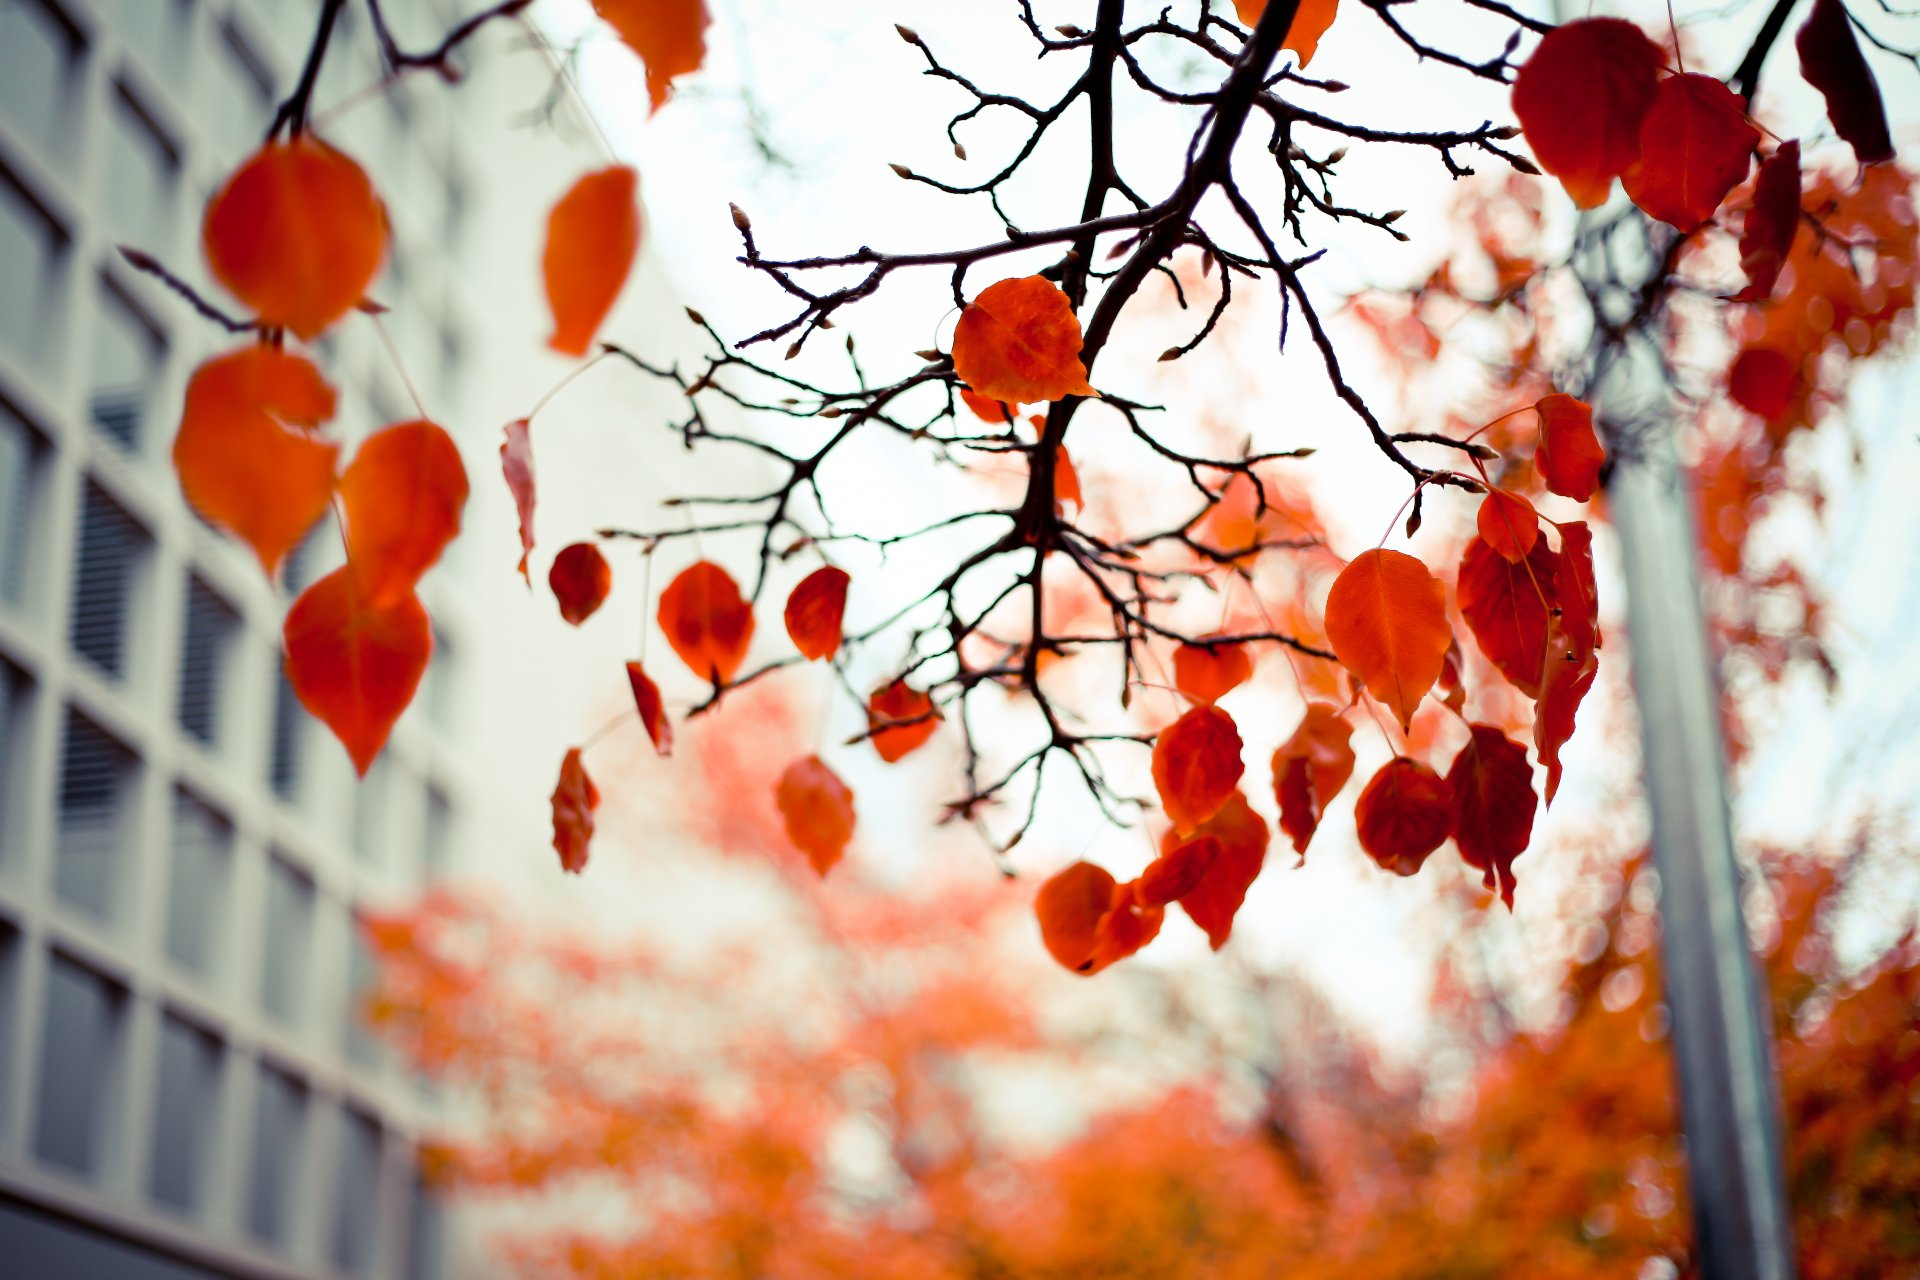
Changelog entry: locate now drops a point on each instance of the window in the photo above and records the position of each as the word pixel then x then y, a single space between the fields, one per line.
pixel 21 455
pixel 372 805
pixel 438 853
pixel 156 30
pixel 242 99
pixel 198 886
pixel 186 1116
pixel 16 693
pixel 279 1142
pixel 143 169
pixel 40 55
pixel 125 365
pixel 426 1233
pixel 287 939
pixel 97 781
pixel 289 738
pixel 11 1033
pixel 111 553
pixel 441 694
pixel 211 629
pixel 79 1047
pixel 363 971
pixel 357 1223
pixel 33 252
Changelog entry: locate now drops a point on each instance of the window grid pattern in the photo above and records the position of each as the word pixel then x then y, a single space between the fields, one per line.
pixel 182 857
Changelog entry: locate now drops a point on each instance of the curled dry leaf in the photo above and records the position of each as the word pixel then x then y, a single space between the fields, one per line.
pixel 900 719
pixel 815 610
pixel 669 35
pixel 1491 785
pixel 707 621
pixel 297 234
pixel 1568 455
pixel 1772 223
pixel 574 800
pixel 1174 875
pixel 1197 765
pixel 1831 61
pixel 355 663
pixel 516 463
pixel 1019 341
pixel 242 463
pixel 1309 769
pixel 593 235
pixel 580 579
pixel 1508 524
pixel 1508 607
pixel 818 810
pixel 1213 903
pixel 1403 815
pixel 1207 673
pixel 402 494
pixel 1387 622
pixel 653 713
pixel 1695 146
pixel 1581 99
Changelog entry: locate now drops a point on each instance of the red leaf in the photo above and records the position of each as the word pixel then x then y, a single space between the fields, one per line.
pixel 1453 693
pixel 516 462
pixel 241 463
pixel 1508 524
pixel 1581 99
pixel 1695 146
pixel 814 612
pixel 1772 222
pixel 1574 589
pixel 593 235
pixel 1564 684
pixel 706 621
pixel 1174 875
pixel 1762 380
pixel 1196 765
pixel 1019 341
pixel 989 410
pixel 1507 607
pixel 1403 815
pixel 1207 673
pixel 580 580
pixel 1493 804
pixel 1387 622
pixel 574 800
pixel 1309 769
pixel 1125 929
pixel 653 714
pixel 297 234
pixel 1070 906
pixel 1066 482
pixel 1568 455
pixel 355 663
pixel 1213 903
pixel 403 495
pixel 1831 61
pixel 818 809
pixel 900 719
pixel 669 35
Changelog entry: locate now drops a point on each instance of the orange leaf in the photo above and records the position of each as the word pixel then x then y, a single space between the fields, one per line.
pixel 297 234
pixel 403 495
pixel 1581 99
pixel 1196 765
pixel 1508 524
pixel 1066 482
pixel 1403 815
pixel 1772 223
pixel 1493 802
pixel 1019 341
pixel 516 462
pixel 1174 875
pixel 574 800
pixel 1453 693
pixel 1763 381
pixel 900 719
pixel 1387 623
pixel 1309 769
pixel 580 580
pixel 653 715
pixel 1830 61
pixel 1070 906
pixel 1574 589
pixel 355 663
pixel 706 621
pixel 1213 903
pixel 1310 22
pixel 1564 683
pixel 1507 607
pixel 1695 146
pixel 593 234
pixel 1124 929
pixel 815 610
pixel 1568 455
pixel 1207 673
pixel 240 464
pixel 989 410
pixel 669 35
pixel 818 809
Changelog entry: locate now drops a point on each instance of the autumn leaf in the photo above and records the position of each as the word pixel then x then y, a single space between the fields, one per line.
pixel 1207 673
pixel 1831 61
pixel 593 235
pixel 297 234
pixel 1564 683
pixel 669 35
pixel 988 409
pixel 1197 765
pixel 355 663
pixel 580 580
pixel 818 810
pixel 1070 906
pixel 900 719
pixel 1310 22
pixel 1574 589
pixel 1772 223
pixel 1568 455
pixel 1763 380
pixel 706 621
pixel 1309 769
pixel 1174 875
pixel 1581 99
pixel 574 800
pixel 1507 607
pixel 516 462
pixel 1453 690
pixel 1124 929
pixel 1695 146
pixel 242 464
pixel 814 612
pixel 1491 784
pixel 1213 903
pixel 1387 622
pixel 1019 341
pixel 1403 815
pixel 402 495
pixel 653 714
pixel 1508 524
pixel 1066 482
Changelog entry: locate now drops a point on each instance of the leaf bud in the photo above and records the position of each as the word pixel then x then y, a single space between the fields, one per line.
pixel 1070 31
pixel 740 219
pixel 959 151
pixel 1171 353
pixel 901 169
pixel 1393 217
pixel 907 33
pixel 696 317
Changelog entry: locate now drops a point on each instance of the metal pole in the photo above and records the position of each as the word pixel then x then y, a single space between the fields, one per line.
pixel 1719 1027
